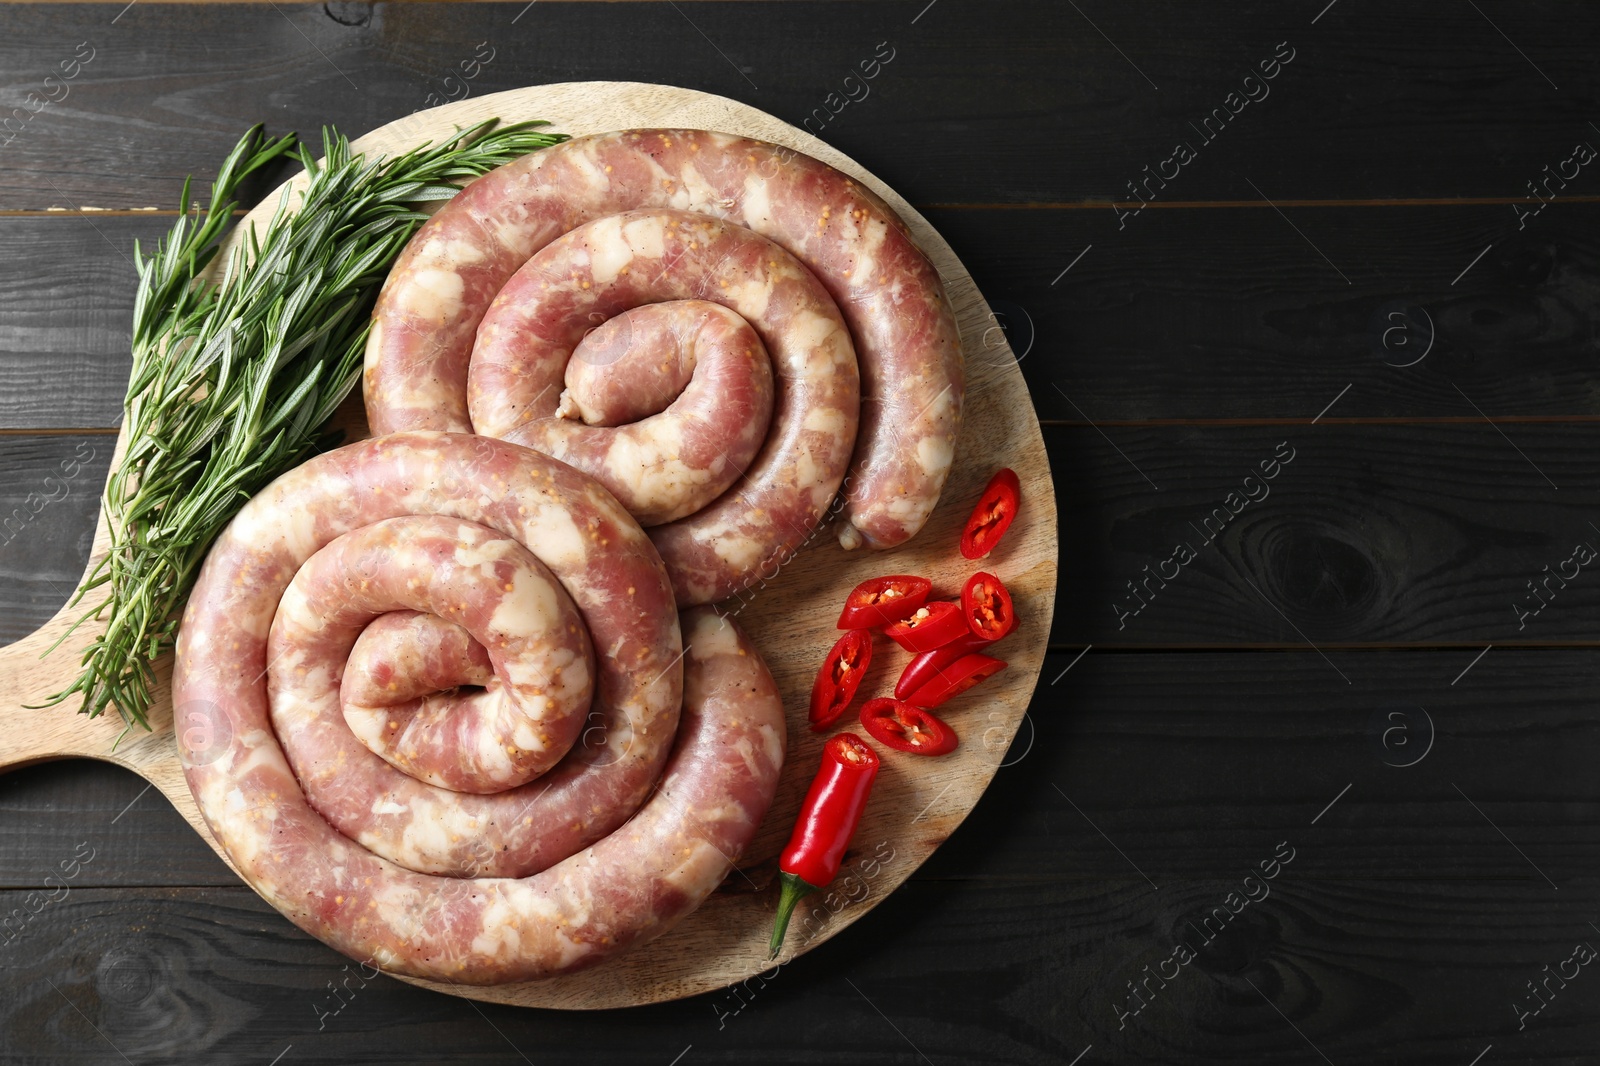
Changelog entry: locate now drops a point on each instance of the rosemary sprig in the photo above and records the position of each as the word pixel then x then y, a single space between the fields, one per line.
pixel 233 381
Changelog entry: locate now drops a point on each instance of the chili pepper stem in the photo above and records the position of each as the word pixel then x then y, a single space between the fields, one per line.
pixel 794 889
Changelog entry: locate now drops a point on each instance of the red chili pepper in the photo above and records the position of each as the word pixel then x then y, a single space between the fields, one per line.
pixel 930 626
pixel 955 679
pixel 827 821
pixel 930 664
pixel 883 601
pixel 906 728
pixel 987 606
pixel 996 510
pixel 840 677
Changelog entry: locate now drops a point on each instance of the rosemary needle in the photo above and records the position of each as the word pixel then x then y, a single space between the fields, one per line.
pixel 233 381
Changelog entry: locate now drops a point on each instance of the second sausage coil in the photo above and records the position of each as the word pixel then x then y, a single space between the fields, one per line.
pixel 599 786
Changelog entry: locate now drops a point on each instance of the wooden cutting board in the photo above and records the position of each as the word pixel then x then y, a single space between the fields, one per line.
pixel 917 803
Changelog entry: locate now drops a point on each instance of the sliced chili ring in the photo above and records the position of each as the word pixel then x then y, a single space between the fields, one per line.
pixel 955 679
pixel 840 677
pixel 996 510
pixel 884 601
pixel 906 728
pixel 927 666
pixel 930 626
pixel 987 606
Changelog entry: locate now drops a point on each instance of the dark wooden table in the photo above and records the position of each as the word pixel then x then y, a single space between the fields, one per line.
pixel 1316 353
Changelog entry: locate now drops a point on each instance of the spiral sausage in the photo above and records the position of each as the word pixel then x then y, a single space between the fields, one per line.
pixel 439 293
pixel 617 262
pixel 685 385
pixel 373 574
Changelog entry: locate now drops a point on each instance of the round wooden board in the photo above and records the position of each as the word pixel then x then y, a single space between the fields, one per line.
pixel 917 803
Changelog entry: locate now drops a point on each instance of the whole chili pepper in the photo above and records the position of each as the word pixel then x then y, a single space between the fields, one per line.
pixel 827 821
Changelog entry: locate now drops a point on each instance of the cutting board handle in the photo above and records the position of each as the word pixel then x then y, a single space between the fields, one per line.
pixel 30 733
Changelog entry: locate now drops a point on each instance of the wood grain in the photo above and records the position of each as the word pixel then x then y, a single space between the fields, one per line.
pixel 1207 796
pixel 66 301
pixel 1400 932
pixel 1219 314
pixel 1375 535
pixel 48 502
pixel 1023 102
pixel 1205 316
pixel 1358 967
pixel 1371 535
pixel 791 618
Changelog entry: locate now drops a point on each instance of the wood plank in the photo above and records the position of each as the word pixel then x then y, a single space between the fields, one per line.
pixel 1202 316
pixel 1032 891
pixel 1230 751
pixel 1036 918
pixel 218 973
pixel 975 972
pixel 136 838
pixel 336 6
pixel 1190 762
pixel 975 106
pixel 1218 315
pixel 49 499
pixel 1370 535
pixel 66 310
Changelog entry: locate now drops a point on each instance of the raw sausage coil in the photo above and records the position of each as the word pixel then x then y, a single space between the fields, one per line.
pixel 497 292
pixel 592 787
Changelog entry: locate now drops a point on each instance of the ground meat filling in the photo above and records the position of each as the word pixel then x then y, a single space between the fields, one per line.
pixel 587 229
pixel 633 757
